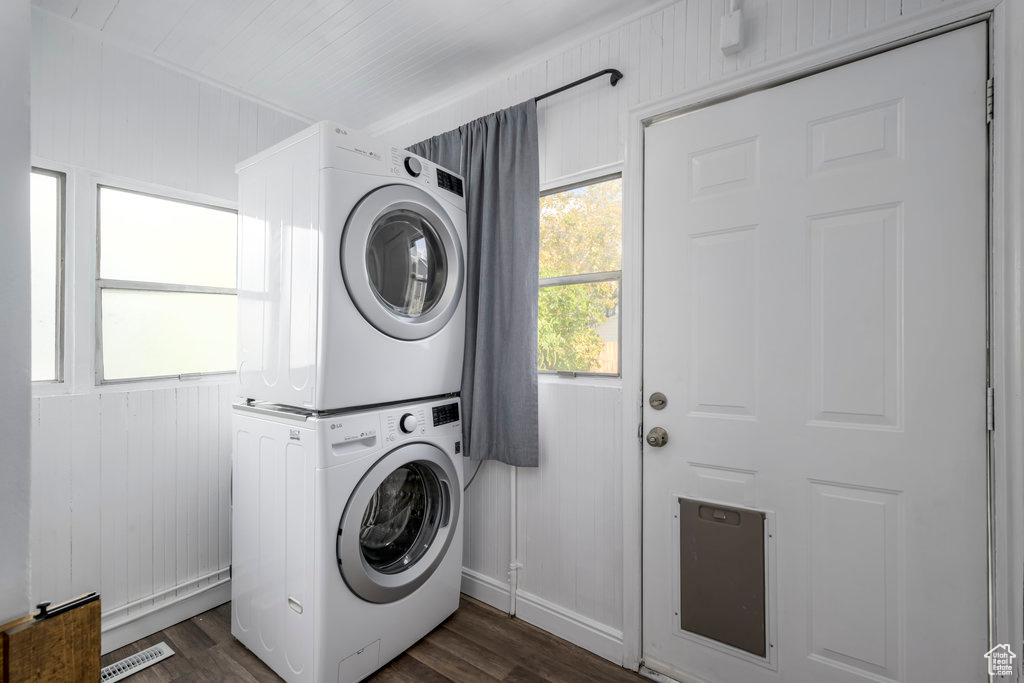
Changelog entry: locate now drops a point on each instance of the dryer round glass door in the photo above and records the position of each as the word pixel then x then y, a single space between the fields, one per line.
pixel 402 262
pixel 399 523
pixel 406 263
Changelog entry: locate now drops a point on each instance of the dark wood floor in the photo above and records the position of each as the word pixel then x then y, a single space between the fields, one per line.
pixel 478 643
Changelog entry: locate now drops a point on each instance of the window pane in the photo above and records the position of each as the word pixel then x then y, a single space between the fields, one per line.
pixel 152 239
pixel 581 230
pixel 45 223
pixel 156 334
pixel 578 328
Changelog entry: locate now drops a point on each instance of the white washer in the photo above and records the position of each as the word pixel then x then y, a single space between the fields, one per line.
pixel 351 269
pixel 346 535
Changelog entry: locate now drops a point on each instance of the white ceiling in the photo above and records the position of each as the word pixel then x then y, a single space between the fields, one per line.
pixel 354 61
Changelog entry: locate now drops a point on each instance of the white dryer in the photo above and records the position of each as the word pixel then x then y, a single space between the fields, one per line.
pixel 351 269
pixel 346 535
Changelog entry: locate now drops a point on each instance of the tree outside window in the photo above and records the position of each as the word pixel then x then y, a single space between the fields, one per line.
pixel 580 278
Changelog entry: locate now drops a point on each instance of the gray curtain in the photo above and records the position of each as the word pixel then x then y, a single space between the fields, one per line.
pixel 497 156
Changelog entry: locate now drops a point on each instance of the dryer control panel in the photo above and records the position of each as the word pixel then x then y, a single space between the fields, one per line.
pixel 404 164
pixel 447 181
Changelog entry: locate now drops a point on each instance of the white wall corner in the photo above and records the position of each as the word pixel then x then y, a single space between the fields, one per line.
pixel 127 47
pixel 15 478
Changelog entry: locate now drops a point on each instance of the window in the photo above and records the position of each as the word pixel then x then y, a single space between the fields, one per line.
pixel 47 263
pixel 166 289
pixel 580 278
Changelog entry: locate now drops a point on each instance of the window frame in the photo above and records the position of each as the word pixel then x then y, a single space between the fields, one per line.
pixel 60 300
pixel 587 278
pixel 145 286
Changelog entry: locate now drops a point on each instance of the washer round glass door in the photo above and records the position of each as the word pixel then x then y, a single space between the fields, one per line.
pixel 398 523
pixel 401 259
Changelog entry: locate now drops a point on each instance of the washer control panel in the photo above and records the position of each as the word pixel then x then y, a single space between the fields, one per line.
pixel 418 420
pixel 402 423
pixel 445 413
pixel 346 428
pixel 408 423
pixel 413 166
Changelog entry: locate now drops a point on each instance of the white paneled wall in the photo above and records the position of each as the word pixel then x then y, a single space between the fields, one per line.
pixel 130 484
pixel 571 577
pixel 487 530
pixel 569 526
pixel 103 108
pixel 571 545
pixel 568 531
pixel 665 53
pixel 130 493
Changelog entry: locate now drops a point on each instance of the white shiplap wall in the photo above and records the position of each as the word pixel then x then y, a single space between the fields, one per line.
pixel 106 109
pixel 568 512
pixel 569 516
pixel 662 54
pixel 130 493
pixel 130 484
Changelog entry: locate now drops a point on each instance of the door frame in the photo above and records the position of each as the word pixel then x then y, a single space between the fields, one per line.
pixel 1006 285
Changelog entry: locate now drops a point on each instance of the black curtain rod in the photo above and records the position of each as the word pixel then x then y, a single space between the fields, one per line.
pixel 615 73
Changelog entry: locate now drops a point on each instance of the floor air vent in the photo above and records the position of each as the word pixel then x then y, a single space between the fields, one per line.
pixel 135 663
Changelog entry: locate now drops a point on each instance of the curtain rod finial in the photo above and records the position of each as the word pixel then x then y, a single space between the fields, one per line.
pixel 615 74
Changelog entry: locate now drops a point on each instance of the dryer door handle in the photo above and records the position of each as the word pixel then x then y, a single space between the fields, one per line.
pixel 446 504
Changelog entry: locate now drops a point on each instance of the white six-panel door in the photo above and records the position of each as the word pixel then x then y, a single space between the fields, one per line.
pixel 815 313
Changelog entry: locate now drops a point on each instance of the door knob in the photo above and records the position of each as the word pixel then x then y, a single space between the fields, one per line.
pixel 657 437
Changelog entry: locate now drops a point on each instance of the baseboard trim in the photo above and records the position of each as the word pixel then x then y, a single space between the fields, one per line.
pixel 118 632
pixel 589 634
pixel 486 589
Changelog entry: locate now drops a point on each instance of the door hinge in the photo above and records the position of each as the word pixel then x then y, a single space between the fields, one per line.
pixel 990 409
pixel 640 431
pixel 990 108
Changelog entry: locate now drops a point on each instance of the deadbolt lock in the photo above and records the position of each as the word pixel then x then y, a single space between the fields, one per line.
pixel 658 400
pixel 657 437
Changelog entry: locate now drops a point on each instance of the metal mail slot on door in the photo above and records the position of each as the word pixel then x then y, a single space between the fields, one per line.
pixel 722 574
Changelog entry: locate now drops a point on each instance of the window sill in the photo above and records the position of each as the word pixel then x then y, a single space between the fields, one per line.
pixel 157 383
pixel 579 380
pixel 49 389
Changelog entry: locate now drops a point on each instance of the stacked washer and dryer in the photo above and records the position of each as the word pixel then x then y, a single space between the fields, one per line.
pixel 347 471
